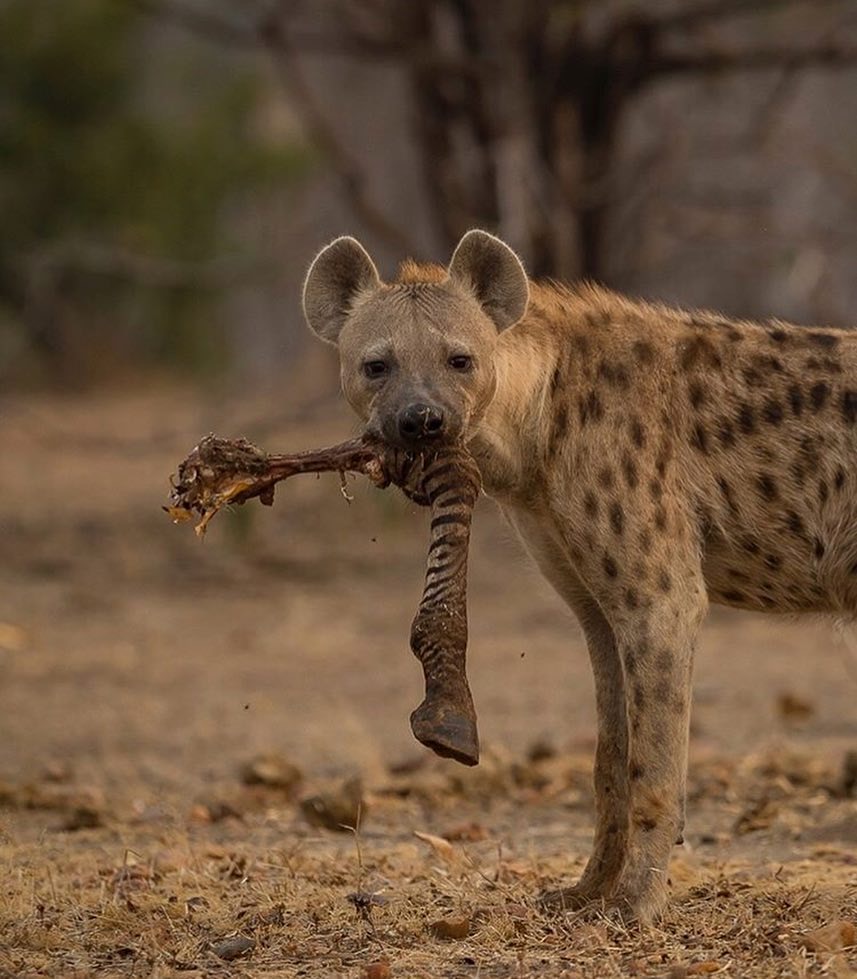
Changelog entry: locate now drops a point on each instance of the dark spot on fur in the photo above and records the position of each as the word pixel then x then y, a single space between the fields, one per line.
pixel 660 517
pixel 849 406
pixel 796 400
pixel 616 375
pixel 767 486
pixel 750 545
pixel 590 505
pixel 818 395
pixel 645 540
pixel 797 470
pixel 699 350
pixel 773 561
pixel 647 823
pixel 656 489
pixel 643 352
pixel 751 376
pixel 778 335
pixel 638 434
pixel 818 547
pixel 630 470
pixel 827 341
pixel 726 490
pixel 606 479
pixel 555 380
pixel 610 568
pixel 726 433
pixel 738 574
pixel 632 600
pixel 773 412
pixel 734 596
pixel 746 420
pixel 636 771
pixel 617 518
pixel 591 408
pixel 839 478
pixel 699 439
pixel 795 523
pixel 664 582
pixel 823 491
pixel 696 393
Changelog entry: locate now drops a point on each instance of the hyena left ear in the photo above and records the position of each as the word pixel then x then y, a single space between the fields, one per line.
pixel 494 273
pixel 340 272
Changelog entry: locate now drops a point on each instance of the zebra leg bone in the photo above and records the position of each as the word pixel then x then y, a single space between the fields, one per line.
pixel 445 721
pixel 223 471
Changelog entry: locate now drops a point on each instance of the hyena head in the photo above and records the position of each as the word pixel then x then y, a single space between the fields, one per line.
pixel 417 355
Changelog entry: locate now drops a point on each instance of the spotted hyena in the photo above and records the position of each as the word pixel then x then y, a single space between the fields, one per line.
pixel 651 459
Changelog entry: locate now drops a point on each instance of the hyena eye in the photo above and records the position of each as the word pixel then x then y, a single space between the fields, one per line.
pixel 460 362
pixel 375 368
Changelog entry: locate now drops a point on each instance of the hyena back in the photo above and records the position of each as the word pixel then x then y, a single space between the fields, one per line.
pixel 652 460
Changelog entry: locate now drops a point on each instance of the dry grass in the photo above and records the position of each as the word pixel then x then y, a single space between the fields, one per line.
pixel 156 892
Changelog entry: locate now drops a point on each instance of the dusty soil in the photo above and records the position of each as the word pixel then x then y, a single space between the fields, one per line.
pixel 144 670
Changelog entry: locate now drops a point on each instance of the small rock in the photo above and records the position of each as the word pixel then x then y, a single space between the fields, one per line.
pixel 234 947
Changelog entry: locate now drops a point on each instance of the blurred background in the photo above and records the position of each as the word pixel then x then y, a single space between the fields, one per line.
pixel 168 168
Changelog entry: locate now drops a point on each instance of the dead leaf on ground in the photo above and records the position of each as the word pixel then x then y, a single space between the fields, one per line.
pixel 272 770
pixel 378 970
pixel 339 810
pixel 442 847
pixel 832 937
pixel 451 929
pixel 466 833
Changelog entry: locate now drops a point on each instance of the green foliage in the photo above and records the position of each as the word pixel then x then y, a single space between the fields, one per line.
pixel 115 133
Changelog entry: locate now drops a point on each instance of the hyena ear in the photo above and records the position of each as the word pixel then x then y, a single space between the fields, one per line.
pixel 494 273
pixel 339 273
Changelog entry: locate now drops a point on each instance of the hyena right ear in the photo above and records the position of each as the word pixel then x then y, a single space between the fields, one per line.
pixel 339 273
pixel 494 273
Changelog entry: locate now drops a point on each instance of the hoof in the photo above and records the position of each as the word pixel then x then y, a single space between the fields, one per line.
pixel 448 731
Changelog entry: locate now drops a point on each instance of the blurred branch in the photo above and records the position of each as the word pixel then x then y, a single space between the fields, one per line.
pixel 759 59
pixel 720 9
pixel 345 166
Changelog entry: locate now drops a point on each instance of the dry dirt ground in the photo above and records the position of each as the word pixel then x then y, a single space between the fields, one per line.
pixel 148 678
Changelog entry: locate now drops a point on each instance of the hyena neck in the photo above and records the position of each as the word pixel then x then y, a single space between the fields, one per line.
pixel 507 443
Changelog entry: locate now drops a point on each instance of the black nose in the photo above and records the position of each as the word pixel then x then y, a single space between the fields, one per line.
pixel 420 421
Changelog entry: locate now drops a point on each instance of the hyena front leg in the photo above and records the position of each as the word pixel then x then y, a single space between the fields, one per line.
pixel 612 788
pixel 656 648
